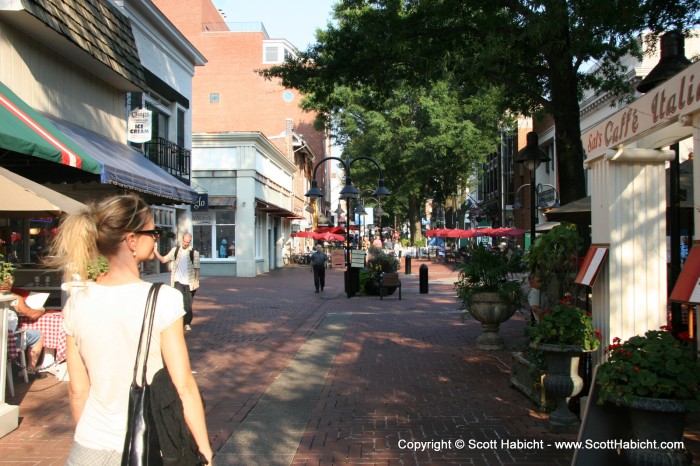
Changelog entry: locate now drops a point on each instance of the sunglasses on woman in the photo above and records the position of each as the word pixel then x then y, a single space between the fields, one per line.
pixel 155 233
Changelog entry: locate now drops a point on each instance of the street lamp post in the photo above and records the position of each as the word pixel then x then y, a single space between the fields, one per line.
pixel 531 156
pixel 348 193
pixel 540 197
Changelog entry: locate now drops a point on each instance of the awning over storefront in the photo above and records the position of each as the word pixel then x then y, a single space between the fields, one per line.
pixel 126 167
pixel 275 210
pixel 24 198
pixel 26 131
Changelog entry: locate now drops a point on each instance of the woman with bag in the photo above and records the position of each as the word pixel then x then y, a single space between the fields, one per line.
pixel 103 323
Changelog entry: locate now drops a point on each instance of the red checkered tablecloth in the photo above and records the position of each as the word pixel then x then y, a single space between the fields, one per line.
pixel 51 326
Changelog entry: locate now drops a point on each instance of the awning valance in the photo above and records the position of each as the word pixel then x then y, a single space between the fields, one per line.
pixel 124 166
pixel 26 131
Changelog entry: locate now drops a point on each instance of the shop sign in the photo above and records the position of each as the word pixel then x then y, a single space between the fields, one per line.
pixel 202 203
pixel 139 125
pixel 656 109
pixel 202 218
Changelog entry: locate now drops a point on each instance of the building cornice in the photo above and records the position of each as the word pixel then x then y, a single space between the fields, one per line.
pixel 243 138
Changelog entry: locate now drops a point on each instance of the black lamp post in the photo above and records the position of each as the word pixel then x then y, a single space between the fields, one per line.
pixel 531 156
pixel 349 192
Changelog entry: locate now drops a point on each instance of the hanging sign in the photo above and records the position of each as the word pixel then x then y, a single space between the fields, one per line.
pixel 337 258
pixel 591 265
pixel 202 203
pixel 687 289
pixel 357 258
pixel 139 125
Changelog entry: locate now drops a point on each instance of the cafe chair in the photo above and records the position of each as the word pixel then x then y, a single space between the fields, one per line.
pixel 21 353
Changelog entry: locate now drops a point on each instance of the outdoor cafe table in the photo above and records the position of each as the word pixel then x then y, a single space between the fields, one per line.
pixel 51 327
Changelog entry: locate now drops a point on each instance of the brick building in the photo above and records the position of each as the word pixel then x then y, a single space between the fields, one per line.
pixel 253 146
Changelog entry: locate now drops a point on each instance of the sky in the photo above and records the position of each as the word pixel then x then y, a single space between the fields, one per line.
pixel 283 19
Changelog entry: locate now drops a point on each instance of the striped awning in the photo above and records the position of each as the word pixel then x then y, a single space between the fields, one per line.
pixel 26 131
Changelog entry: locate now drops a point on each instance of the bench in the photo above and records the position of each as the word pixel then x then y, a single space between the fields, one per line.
pixel 389 279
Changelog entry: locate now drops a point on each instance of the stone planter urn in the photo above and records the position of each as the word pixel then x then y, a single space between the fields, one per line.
pixel 561 382
pixel 490 311
pixel 655 421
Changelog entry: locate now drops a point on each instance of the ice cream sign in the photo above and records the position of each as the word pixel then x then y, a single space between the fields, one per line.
pixel 139 125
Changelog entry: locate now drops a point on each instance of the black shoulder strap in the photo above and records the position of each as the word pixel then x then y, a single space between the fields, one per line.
pixel 177 249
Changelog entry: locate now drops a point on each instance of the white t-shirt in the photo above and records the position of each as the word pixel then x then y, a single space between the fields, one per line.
pixel 182 274
pixel 106 324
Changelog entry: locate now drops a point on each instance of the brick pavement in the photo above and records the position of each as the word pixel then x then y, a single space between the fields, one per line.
pixel 405 370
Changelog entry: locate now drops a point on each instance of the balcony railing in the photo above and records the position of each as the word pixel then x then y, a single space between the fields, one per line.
pixel 170 157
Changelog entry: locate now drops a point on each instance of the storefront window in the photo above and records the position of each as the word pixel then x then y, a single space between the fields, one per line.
pixel 226 233
pixel 214 234
pixel 26 240
pixel 164 218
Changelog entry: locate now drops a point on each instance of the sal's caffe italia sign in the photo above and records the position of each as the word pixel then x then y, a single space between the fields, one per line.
pixel 658 108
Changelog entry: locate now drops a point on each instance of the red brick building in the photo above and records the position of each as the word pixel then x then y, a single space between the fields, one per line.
pixel 253 146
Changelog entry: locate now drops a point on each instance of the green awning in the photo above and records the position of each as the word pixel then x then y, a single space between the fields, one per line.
pixel 24 130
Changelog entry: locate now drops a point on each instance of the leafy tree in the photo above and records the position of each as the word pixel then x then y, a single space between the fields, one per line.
pixel 429 141
pixel 538 51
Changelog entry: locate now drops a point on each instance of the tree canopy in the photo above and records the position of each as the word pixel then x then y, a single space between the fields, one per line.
pixel 537 51
pixel 428 140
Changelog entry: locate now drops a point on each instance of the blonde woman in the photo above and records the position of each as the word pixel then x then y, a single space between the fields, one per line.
pixel 103 323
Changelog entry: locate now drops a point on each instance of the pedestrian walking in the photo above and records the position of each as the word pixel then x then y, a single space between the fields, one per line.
pixel 103 327
pixel 184 272
pixel 318 266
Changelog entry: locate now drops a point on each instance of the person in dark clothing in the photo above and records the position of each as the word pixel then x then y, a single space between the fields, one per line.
pixel 318 266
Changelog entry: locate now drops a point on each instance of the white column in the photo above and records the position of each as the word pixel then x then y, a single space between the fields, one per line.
pixel 245 223
pixel 628 212
pixel 9 414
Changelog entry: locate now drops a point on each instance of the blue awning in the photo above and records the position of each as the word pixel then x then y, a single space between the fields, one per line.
pixel 126 167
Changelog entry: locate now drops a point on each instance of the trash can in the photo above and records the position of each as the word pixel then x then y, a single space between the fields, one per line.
pixel 423 279
pixel 408 264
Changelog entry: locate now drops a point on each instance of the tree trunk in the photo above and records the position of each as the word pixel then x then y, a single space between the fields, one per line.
pixel 570 154
pixel 414 219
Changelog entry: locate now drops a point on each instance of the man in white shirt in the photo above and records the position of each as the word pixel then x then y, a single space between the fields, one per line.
pixel 184 272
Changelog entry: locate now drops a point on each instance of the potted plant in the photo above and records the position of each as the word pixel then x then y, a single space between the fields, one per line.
pixel 377 263
pixel 7 270
pixel 656 377
pixel 553 263
pixel 490 291
pixel 563 333
pixel 554 260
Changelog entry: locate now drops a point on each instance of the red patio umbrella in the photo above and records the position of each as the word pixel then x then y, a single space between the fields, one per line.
pixel 514 232
pixel 328 236
pixel 442 232
pixel 499 231
pixel 483 231
pixel 336 230
pixel 459 233
pixel 303 234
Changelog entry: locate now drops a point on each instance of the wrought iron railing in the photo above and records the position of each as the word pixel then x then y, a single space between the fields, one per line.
pixel 170 157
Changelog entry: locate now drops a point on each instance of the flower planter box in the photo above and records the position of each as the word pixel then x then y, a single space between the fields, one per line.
pixel 522 378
